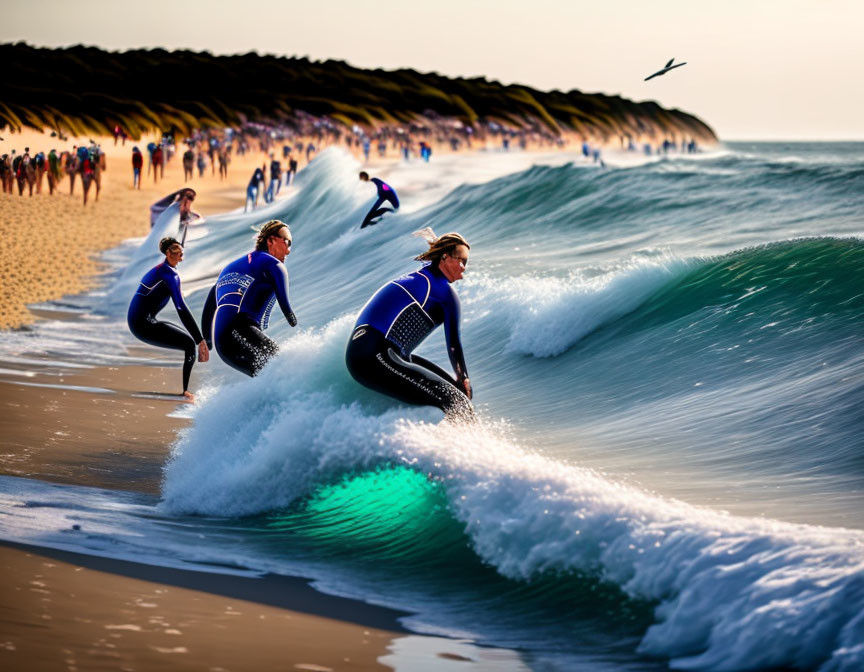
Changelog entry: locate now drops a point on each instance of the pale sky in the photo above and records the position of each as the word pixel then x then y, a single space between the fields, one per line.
pixel 756 69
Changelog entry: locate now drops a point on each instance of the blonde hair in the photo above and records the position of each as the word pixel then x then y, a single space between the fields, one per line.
pixel 439 246
pixel 271 228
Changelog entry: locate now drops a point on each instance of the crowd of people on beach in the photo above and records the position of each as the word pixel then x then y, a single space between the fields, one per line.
pixel 288 144
pixel 33 171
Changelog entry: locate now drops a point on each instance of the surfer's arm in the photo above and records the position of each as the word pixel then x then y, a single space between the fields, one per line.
pixel 183 311
pixel 452 321
pixel 280 282
pixel 207 317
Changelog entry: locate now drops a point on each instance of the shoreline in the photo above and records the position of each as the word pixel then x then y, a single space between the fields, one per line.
pixel 67 611
pixel 103 426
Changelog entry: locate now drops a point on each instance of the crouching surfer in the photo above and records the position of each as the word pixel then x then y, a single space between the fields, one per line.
pixel 399 316
pixel 242 298
pixel 155 289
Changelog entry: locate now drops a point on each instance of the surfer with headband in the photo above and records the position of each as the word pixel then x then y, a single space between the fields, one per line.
pixel 399 316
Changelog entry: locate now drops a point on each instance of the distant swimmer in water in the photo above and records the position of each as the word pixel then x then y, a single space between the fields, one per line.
pixel 242 298
pixel 156 287
pixel 399 316
pixel 386 193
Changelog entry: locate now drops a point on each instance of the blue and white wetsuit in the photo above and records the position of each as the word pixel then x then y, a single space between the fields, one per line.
pixel 157 286
pixel 241 302
pixel 398 317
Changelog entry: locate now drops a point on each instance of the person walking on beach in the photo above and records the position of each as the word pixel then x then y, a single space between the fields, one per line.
pixel 253 190
pixel 86 169
pixel 98 166
pixel 201 163
pixel 7 179
pixel 224 160
pixel 137 165
pixel 188 164
pixel 71 167
pixel 242 298
pixel 275 179
pixel 157 163
pixel 292 171
pixel 158 285
pixel 40 166
pixel 4 171
pixel 28 169
pixel 399 316
pixel 386 194
pixel 54 173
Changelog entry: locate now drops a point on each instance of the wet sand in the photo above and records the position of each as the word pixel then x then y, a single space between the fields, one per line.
pixel 69 612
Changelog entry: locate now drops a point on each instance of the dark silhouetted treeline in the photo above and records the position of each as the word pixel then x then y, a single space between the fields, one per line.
pixel 85 90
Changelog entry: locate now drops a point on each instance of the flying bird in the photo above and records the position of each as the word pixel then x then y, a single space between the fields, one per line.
pixel 666 68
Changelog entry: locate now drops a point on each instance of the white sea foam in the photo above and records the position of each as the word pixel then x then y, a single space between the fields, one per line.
pixel 548 315
pixel 733 592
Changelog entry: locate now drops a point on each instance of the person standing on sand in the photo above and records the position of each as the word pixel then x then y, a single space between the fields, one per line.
pixel 29 169
pixel 18 172
pixel 71 168
pixel 202 164
pixel 87 170
pixel 188 165
pixel 224 160
pixel 6 179
pixel 53 171
pixel 41 165
pixel 157 161
pixel 98 166
pixel 160 284
pixel 137 165
pixel 253 190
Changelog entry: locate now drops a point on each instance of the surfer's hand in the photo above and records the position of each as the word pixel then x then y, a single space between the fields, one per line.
pixel 203 352
pixel 292 319
pixel 466 385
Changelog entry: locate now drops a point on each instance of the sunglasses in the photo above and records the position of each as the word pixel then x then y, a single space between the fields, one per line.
pixel 463 261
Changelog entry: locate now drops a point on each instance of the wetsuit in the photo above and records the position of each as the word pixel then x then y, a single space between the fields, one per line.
pixel 397 318
pixel 157 286
pixel 253 189
pixel 241 301
pixel 386 193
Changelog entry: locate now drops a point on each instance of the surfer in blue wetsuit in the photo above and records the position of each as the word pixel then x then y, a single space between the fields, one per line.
pixel 399 316
pixel 386 194
pixel 242 298
pixel 156 287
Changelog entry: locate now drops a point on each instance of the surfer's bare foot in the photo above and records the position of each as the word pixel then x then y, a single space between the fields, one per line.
pixel 190 398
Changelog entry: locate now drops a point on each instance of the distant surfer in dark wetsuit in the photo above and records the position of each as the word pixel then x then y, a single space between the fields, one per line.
pixel 157 286
pixel 386 194
pixel 399 316
pixel 253 191
pixel 242 298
